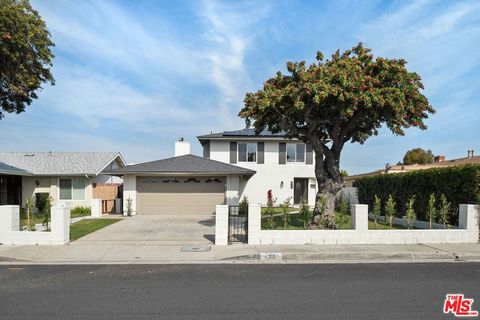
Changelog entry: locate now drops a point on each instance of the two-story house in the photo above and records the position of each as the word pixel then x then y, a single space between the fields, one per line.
pixel 285 166
pixel 234 164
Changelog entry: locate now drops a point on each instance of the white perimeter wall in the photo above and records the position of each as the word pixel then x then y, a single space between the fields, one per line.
pixel 269 174
pixel 467 231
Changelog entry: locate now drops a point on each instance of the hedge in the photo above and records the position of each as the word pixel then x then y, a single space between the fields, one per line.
pixel 460 184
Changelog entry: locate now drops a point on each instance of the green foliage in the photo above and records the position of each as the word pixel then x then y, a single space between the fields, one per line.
pixel 285 211
pixel 418 156
pixel 377 209
pixel 342 216
pixel 80 211
pixel 410 214
pixel 269 211
pixel 47 211
pixel 344 173
pixel 444 212
pixel 431 210
pixel 305 212
pixel 41 199
pixel 390 210
pixel 25 55
pixel 346 98
pixel 129 206
pixel 459 184
pixel 29 207
pixel 243 206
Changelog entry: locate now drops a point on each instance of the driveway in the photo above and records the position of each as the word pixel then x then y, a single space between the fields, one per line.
pixel 155 230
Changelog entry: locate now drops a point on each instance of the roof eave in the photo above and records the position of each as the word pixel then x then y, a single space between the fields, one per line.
pixel 191 173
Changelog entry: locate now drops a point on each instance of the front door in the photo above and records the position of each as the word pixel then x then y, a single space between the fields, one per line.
pixel 300 189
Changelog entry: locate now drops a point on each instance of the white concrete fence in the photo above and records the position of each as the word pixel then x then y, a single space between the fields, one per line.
pixel 10 233
pixel 467 231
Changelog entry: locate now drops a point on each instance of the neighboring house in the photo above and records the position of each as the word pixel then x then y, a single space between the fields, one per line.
pixel 235 164
pixel 70 178
pixel 285 166
pixel 438 162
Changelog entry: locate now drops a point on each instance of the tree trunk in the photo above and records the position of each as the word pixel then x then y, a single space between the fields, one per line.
pixel 329 181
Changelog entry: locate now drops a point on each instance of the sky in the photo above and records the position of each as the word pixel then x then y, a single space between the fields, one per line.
pixel 134 76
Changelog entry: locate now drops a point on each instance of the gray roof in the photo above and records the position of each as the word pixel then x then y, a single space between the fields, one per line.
pixel 59 163
pixel 247 132
pixel 187 164
pixel 6 169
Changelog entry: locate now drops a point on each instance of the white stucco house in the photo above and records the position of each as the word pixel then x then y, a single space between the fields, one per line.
pixel 235 164
pixel 70 178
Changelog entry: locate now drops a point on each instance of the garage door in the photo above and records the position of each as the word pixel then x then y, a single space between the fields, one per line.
pixel 180 196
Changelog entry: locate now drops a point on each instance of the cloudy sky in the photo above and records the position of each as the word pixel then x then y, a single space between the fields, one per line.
pixel 134 76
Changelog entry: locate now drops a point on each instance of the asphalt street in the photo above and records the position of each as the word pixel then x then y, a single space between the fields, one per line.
pixel 229 291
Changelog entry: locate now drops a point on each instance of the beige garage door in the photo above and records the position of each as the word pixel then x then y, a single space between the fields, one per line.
pixel 179 196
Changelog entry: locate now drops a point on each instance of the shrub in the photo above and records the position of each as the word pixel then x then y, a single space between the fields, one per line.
pixel 285 206
pixel 305 212
pixel 341 216
pixel 459 184
pixel 390 211
pixel 444 210
pixel 243 206
pixel 41 199
pixel 410 214
pixel 80 211
pixel 377 209
pixel 431 211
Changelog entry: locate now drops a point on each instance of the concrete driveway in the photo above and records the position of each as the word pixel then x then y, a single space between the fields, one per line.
pixel 155 230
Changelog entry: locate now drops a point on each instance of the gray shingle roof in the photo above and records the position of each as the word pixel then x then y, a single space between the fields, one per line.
pixel 182 165
pixel 247 132
pixel 6 169
pixel 59 163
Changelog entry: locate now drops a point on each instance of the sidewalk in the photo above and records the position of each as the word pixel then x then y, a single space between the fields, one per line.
pixel 145 253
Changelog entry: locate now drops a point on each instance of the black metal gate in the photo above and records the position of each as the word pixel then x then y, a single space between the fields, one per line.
pixel 237 225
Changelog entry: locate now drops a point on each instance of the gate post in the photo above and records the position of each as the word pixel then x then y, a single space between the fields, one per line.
pixel 221 225
pixel 254 223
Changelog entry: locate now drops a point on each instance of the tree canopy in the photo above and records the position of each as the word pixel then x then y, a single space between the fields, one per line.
pixel 346 98
pixel 25 55
pixel 418 156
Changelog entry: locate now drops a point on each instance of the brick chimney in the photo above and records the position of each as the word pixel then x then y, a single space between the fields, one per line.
pixel 438 159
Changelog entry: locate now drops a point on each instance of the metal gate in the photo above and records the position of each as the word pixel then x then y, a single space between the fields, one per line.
pixel 237 225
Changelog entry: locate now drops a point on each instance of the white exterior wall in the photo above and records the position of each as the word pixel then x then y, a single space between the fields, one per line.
pixel 129 192
pixel 269 174
pixel 50 185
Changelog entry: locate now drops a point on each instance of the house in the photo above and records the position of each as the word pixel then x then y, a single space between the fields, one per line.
pixel 235 164
pixel 438 162
pixel 71 178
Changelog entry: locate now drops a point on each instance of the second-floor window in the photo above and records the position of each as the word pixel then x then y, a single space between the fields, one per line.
pixel 295 152
pixel 247 152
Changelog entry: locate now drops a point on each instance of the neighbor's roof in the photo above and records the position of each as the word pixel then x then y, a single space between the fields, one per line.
pixel 399 168
pixel 59 163
pixel 187 164
pixel 6 169
pixel 245 133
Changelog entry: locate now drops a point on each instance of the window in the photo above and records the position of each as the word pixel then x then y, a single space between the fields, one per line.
pixel 247 152
pixel 72 189
pixel 295 152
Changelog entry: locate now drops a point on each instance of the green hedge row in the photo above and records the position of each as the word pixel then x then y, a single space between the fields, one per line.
pixel 460 184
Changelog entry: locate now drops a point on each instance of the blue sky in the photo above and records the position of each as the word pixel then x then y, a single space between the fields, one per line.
pixel 133 76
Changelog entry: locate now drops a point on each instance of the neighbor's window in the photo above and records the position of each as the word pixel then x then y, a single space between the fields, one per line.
pixel 72 189
pixel 295 152
pixel 247 152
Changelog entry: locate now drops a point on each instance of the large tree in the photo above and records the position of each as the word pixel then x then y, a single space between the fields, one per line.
pixel 25 55
pixel 418 156
pixel 346 98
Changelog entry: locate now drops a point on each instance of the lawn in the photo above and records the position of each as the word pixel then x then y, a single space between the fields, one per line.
pixel 34 219
pixel 296 223
pixel 278 210
pixel 82 228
